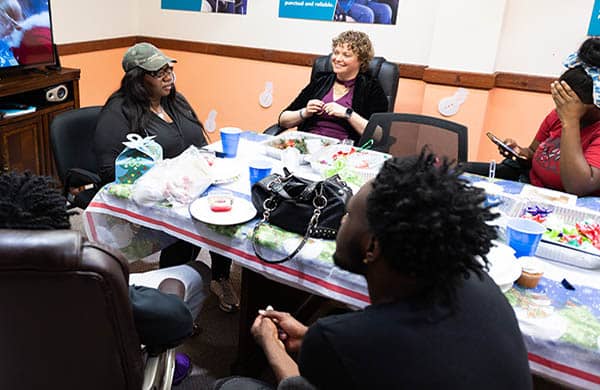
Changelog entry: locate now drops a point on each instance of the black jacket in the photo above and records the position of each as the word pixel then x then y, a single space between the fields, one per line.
pixel 113 127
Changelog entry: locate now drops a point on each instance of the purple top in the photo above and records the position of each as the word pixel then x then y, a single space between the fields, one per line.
pixel 329 125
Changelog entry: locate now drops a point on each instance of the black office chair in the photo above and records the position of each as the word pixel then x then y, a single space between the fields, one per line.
pixel 386 72
pixel 72 138
pixel 406 134
pixel 67 321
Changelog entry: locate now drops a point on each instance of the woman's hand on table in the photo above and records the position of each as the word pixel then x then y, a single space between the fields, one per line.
pixel 290 330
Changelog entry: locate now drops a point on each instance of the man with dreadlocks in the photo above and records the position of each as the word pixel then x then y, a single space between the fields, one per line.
pixel 418 233
pixel 162 320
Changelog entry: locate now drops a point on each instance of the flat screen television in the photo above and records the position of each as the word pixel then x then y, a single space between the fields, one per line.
pixel 26 39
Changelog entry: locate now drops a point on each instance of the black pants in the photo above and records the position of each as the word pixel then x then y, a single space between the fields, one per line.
pixel 507 169
pixel 181 252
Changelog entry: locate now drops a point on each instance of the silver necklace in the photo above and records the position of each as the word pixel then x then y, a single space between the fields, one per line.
pixel 159 111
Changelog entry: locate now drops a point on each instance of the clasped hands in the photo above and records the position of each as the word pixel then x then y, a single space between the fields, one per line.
pixel 274 328
pixel 318 107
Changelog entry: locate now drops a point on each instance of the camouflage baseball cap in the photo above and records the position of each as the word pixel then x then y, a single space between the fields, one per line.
pixel 146 56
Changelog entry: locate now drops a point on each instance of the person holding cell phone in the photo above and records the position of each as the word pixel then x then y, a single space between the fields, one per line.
pixel 565 152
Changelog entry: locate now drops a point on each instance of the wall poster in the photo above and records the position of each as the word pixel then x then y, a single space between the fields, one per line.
pixel 594 29
pixel 218 6
pixel 358 11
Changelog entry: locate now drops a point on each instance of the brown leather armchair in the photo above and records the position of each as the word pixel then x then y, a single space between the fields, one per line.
pixel 66 320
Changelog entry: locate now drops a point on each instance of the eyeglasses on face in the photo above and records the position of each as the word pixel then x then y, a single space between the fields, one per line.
pixel 162 73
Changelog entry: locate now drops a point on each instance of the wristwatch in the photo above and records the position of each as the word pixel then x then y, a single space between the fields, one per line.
pixel 348 113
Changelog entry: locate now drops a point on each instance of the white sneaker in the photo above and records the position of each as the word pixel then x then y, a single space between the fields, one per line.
pixel 228 299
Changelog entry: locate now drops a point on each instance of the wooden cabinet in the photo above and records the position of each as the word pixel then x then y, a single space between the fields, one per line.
pixel 25 139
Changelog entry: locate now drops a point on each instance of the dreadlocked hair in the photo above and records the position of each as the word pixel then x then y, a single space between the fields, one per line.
pixel 29 201
pixel 430 223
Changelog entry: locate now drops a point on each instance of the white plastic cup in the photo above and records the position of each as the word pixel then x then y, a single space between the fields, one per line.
pixel 290 157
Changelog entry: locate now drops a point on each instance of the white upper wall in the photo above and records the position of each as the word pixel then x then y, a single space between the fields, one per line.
pixel 408 41
pixel 521 36
pixel 538 34
pixel 89 20
pixel 463 41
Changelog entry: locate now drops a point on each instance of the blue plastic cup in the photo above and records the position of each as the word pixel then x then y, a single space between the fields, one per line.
pixel 259 169
pixel 524 235
pixel 230 138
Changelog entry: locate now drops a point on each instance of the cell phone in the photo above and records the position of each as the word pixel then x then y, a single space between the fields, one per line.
pixel 504 146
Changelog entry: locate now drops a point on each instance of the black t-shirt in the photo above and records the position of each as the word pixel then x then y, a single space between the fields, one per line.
pixel 403 345
pixel 113 127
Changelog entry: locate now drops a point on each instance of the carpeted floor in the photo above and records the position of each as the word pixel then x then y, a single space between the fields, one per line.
pixel 214 348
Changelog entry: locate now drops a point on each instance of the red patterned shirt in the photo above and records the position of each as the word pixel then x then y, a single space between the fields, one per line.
pixel 545 165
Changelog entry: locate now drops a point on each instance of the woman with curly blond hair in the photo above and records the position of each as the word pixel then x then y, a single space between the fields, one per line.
pixel 339 103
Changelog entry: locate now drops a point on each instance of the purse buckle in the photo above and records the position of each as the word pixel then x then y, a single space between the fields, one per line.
pixel 319 201
pixel 275 185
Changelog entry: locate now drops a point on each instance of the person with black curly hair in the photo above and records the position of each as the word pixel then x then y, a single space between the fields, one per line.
pixel 419 234
pixel 162 320
pixel 565 152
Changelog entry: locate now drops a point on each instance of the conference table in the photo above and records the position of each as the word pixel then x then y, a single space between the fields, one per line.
pixel 560 326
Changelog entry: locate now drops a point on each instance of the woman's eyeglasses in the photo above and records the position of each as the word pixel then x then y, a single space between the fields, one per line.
pixel 162 73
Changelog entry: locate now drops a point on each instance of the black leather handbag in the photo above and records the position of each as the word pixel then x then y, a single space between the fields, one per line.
pixel 298 205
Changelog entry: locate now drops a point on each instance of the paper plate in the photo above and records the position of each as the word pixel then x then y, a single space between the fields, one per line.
pixel 241 211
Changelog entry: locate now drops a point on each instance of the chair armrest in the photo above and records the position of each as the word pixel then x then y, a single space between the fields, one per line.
pixel 159 371
pixel 273 130
pixel 77 177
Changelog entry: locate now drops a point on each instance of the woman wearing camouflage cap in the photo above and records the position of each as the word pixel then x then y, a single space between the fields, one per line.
pixel 147 103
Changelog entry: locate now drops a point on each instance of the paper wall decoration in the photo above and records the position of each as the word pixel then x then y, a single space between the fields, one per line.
pixel 266 97
pixel 210 124
pixel 449 106
pixel 218 6
pixel 358 11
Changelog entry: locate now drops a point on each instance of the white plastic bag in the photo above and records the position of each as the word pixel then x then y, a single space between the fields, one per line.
pixel 177 181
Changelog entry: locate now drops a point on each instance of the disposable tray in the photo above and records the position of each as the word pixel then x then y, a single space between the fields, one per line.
pixel 274 152
pixel 552 250
pixel 374 159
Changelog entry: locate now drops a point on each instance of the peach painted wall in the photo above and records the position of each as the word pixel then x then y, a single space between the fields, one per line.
pixel 512 114
pixel 100 74
pixel 232 87
pixel 409 98
pixel 471 113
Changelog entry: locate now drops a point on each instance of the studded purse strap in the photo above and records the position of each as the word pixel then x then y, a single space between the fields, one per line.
pixel 319 202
